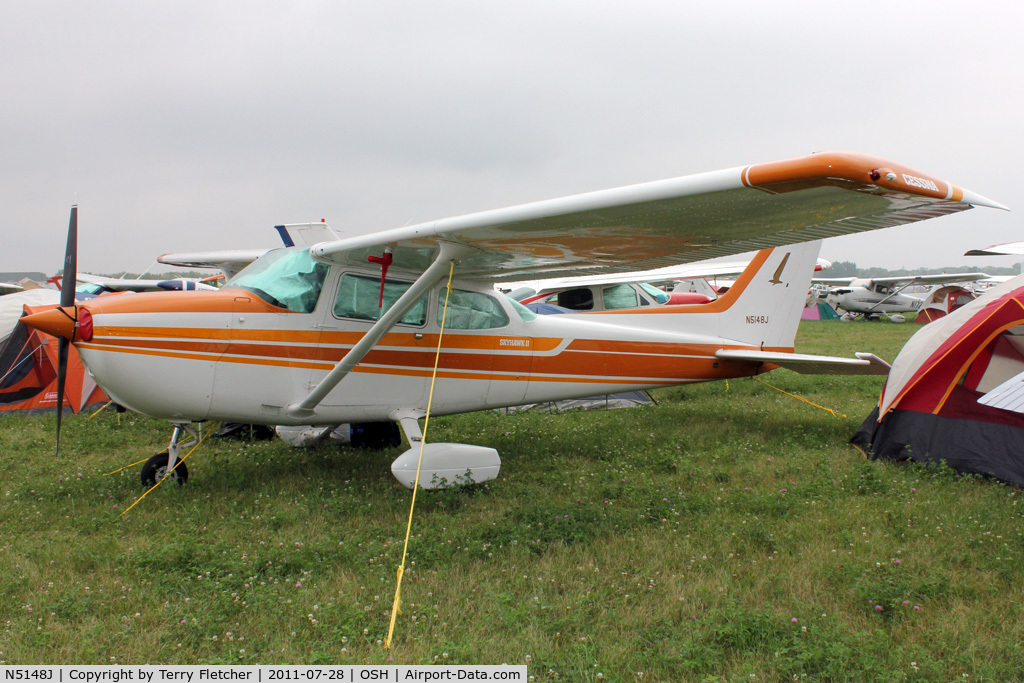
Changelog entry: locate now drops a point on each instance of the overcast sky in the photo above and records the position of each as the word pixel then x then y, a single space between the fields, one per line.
pixel 195 125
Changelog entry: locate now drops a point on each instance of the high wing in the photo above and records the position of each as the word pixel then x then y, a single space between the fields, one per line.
pixel 1008 249
pixel 230 261
pixel 834 281
pixel 903 281
pixel 681 220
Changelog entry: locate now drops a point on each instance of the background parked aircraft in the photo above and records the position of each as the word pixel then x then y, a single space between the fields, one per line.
pixel 691 283
pixel 871 297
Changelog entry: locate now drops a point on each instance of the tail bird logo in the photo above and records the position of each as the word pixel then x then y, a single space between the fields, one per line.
pixel 776 279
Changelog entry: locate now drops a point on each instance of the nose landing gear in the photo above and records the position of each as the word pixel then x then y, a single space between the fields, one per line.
pixel 167 463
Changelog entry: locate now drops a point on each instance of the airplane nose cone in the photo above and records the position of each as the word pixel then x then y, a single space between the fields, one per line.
pixel 58 322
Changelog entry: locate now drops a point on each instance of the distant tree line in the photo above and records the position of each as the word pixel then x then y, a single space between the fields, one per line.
pixel 850 269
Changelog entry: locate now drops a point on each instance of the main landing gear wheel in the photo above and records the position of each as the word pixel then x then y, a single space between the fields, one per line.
pixel 155 469
pixel 376 436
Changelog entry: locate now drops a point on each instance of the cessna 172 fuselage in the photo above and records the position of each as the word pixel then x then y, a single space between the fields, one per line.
pixel 351 330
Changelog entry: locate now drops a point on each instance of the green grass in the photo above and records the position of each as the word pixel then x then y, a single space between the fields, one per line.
pixel 727 533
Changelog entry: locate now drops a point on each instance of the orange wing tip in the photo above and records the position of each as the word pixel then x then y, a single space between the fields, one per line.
pixel 826 168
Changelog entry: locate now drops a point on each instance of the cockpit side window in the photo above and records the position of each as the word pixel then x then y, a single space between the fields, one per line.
pixel 287 278
pixel 359 298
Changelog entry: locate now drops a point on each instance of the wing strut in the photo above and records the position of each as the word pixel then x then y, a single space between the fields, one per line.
pixel 448 252
pixel 895 292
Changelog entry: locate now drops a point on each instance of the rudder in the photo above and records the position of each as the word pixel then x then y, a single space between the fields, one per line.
pixel 763 307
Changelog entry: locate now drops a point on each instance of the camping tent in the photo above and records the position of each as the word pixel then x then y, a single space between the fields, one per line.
pixel 819 310
pixel 28 373
pixel 943 300
pixel 929 409
pixel 12 306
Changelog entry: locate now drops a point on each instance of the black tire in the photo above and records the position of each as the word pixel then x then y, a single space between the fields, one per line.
pixel 376 435
pixel 154 468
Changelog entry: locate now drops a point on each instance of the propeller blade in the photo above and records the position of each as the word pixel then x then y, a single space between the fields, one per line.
pixel 67 298
pixel 62 371
pixel 70 278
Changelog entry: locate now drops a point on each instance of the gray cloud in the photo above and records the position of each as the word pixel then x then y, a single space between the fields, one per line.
pixel 188 125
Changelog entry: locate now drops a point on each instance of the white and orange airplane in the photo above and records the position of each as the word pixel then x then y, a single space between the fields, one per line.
pixel 348 330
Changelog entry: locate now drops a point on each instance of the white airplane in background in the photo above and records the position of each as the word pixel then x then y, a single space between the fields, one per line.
pixel 673 285
pixel 328 334
pixel 871 297
pixel 101 284
pixel 232 261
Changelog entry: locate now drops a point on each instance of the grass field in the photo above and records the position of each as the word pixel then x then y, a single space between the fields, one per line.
pixel 728 532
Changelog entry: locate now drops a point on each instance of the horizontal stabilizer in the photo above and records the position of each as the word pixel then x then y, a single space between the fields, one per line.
pixel 863 364
pixel 1008 396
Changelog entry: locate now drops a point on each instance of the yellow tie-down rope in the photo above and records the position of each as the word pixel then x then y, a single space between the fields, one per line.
pixel 101 409
pixel 395 607
pixel 801 398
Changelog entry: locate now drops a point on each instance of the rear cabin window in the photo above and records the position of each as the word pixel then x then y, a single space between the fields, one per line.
pixel 359 298
pixel 287 278
pixel 619 296
pixel 471 311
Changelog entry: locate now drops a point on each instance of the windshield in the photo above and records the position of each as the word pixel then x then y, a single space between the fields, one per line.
pixel 286 278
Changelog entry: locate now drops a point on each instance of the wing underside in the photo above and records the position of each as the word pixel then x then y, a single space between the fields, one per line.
pixel 674 221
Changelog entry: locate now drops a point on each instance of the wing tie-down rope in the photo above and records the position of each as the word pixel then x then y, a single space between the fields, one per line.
pixel 395 607
pixel 801 398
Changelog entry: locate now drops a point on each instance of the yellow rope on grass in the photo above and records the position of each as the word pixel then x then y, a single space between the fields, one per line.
pixel 829 410
pixel 99 410
pixel 121 469
pixel 167 475
pixel 395 607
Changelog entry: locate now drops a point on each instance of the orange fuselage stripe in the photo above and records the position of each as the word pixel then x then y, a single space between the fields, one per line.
pixel 615 361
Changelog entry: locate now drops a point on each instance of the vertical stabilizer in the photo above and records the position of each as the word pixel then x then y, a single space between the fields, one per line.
pixel 763 307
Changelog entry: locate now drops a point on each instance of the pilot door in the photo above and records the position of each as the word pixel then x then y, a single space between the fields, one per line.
pixel 267 361
pixel 394 373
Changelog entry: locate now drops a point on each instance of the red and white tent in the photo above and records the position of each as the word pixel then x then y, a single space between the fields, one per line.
pixel 943 301
pixel 929 409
